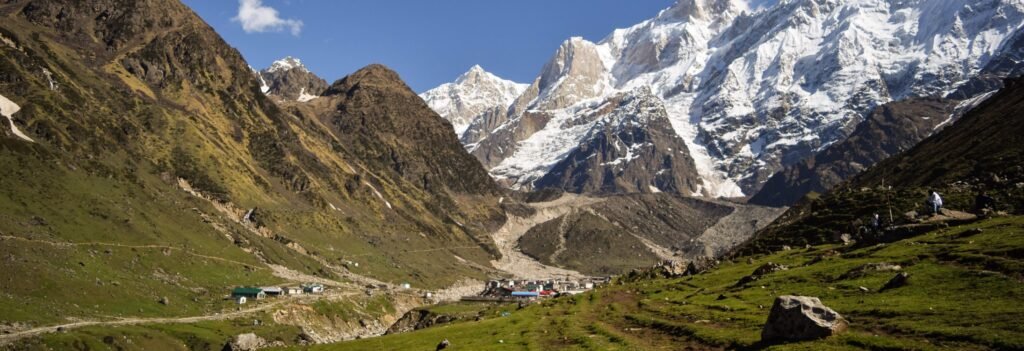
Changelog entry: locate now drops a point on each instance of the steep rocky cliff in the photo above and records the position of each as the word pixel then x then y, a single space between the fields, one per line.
pixel 890 129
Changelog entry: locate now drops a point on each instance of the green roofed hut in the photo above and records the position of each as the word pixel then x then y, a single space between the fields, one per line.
pixel 249 293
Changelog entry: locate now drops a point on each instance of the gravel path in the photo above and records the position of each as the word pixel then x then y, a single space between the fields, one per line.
pixel 7 338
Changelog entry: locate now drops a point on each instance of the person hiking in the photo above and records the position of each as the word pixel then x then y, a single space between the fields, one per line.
pixel 983 204
pixel 936 201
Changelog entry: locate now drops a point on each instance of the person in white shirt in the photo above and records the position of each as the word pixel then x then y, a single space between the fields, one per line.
pixel 936 201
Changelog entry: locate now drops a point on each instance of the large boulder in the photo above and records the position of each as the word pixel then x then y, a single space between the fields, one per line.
pixel 700 265
pixel 245 342
pixel 796 318
pixel 897 281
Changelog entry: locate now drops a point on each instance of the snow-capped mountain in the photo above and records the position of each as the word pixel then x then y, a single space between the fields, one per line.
pixel 475 93
pixel 289 79
pixel 753 87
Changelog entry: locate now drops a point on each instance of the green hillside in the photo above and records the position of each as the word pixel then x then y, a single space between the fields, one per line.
pixel 964 292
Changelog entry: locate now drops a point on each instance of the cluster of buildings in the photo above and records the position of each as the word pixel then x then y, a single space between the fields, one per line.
pixel 242 295
pixel 510 289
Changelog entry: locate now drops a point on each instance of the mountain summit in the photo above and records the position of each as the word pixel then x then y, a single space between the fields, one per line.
pixel 472 95
pixel 289 79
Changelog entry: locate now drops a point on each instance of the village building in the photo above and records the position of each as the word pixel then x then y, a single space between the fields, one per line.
pixel 273 291
pixel 292 290
pixel 248 293
pixel 312 288
pixel 525 295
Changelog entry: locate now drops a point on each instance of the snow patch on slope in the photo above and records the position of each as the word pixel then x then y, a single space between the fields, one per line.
pixel 303 97
pixel 8 108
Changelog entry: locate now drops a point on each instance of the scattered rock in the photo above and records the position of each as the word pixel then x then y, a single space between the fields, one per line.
pixel 769 267
pixel 245 342
pixel 761 271
pixel 901 279
pixel 796 318
pixel 846 239
pixel 863 270
pixel 970 232
pixel 165 301
pixel 722 297
pixel 864 289
pixel 670 269
pixel 700 265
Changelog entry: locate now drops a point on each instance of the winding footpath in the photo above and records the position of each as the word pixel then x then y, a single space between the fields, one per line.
pixel 7 338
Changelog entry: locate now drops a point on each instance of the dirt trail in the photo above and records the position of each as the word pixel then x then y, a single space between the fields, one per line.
pixel 507 237
pixel 160 247
pixel 7 338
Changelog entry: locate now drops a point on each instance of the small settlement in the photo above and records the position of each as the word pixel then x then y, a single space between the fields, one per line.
pixel 504 290
pixel 241 295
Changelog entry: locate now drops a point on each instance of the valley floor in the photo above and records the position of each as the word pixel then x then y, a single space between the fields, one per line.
pixel 965 292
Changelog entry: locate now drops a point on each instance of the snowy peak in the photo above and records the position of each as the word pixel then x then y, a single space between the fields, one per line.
pixel 286 64
pixel 753 86
pixel 476 75
pixel 579 70
pixel 705 10
pixel 473 94
pixel 288 79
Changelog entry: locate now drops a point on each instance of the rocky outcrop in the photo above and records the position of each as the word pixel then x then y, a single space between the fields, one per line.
pixel 575 73
pixel 631 148
pixel 898 281
pixel 761 271
pixel 797 318
pixel 890 129
pixel 419 319
pixel 245 342
pixel 868 268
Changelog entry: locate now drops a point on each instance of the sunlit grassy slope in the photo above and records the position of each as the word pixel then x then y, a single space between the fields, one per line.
pixel 965 292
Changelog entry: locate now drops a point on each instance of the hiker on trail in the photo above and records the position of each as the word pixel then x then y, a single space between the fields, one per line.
pixel 935 201
pixel 983 203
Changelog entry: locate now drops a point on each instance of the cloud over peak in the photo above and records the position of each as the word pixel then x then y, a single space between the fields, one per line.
pixel 257 18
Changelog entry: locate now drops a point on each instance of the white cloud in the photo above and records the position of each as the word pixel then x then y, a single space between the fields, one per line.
pixel 256 18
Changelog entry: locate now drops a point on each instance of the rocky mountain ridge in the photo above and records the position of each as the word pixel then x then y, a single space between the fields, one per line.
pixel 154 150
pixel 752 90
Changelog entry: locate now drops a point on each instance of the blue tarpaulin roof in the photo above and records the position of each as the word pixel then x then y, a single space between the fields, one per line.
pixel 525 293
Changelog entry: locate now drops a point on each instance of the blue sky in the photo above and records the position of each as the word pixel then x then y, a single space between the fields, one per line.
pixel 427 42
